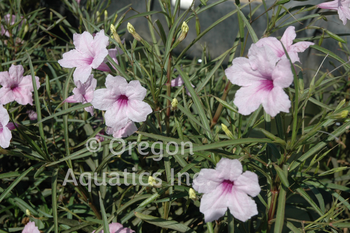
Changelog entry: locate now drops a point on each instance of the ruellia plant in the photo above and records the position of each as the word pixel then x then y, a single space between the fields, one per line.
pixel 103 134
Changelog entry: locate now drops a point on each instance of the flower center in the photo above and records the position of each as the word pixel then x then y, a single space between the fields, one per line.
pixel 266 85
pixel 227 186
pixel 122 100
pixel 14 86
pixel 89 60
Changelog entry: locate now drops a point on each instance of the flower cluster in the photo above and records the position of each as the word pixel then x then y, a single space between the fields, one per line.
pixel 265 73
pixel 122 101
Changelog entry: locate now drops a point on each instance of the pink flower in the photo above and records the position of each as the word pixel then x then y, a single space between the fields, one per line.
pixel 261 80
pixel 226 187
pixel 15 87
pixel 5 132
pixel 84 93
pixel 178 82
pixel 287 40
pixel 126 131
pixel 117 228
pixel 88 54
pixel 30 228
pixel 122 102
pixel 10 20
pixel 32 115
pixel 342 6
pixel 113 54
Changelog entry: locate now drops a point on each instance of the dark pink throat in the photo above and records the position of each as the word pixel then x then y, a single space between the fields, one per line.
pixel 267 85
pixel 227 186
pixel 123 100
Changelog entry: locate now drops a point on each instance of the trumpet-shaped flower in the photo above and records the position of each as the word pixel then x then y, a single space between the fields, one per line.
pixel 226 187
pixel 342 6
pixel 122 102
pixel 117 228
pixel 84 93
pixel 30 228
pixel 126 131
pixel 15 87
pixel 5 131
pixel 261 80
pixel 287 41
pixel 89 53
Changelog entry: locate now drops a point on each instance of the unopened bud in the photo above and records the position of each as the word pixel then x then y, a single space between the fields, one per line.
pixel 98 18
pixel 28 212
pixel 133 32
pixel 184 31
pixel 115 34
pixel 192 194
pixel 174 104
pixel 152 182
pixel 106 14
pixel 341 115
pixel 227 131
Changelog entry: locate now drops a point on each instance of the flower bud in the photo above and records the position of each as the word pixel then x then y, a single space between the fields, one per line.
pixel 341 115
pixel 152 182
pixel 115 35
pixel 227 131
pixel 133 32
pixel 98 18
pixel 174 104
pixel 28 212
pixel 184 31
pixel 192 194
pixel 106 14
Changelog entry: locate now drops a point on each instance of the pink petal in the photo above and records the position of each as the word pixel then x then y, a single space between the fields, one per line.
pixel 248 183
pixel 16 72
pixel 23 96
pixel 262 59
pixel 112 82
pixel 103 99
pixel 332 5
pixel 248 99
pixel 126 131
pixel 138 110
pixel 276 101
pixel 11 126
pixel 6 95
pixel 282 75
pixel 82 73
pixel 177 82
pixel 135 91
pixel 27 83
pixel 30 228
pixel 99 45
pixel 273 43
pixel 214 205
pixel 4 116
pixel 90 110
pixel 83 42
pixel 229 169
pixel 5 78
pixel 206 181
pixel 73 58
pixel 241 72
pixel 241 205
pixel 288 37
pixel 5 137
pixel 71 99
pixel 116 117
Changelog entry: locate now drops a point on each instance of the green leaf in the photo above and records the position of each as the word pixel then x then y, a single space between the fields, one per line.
pixel 163 223
pixel 104 215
